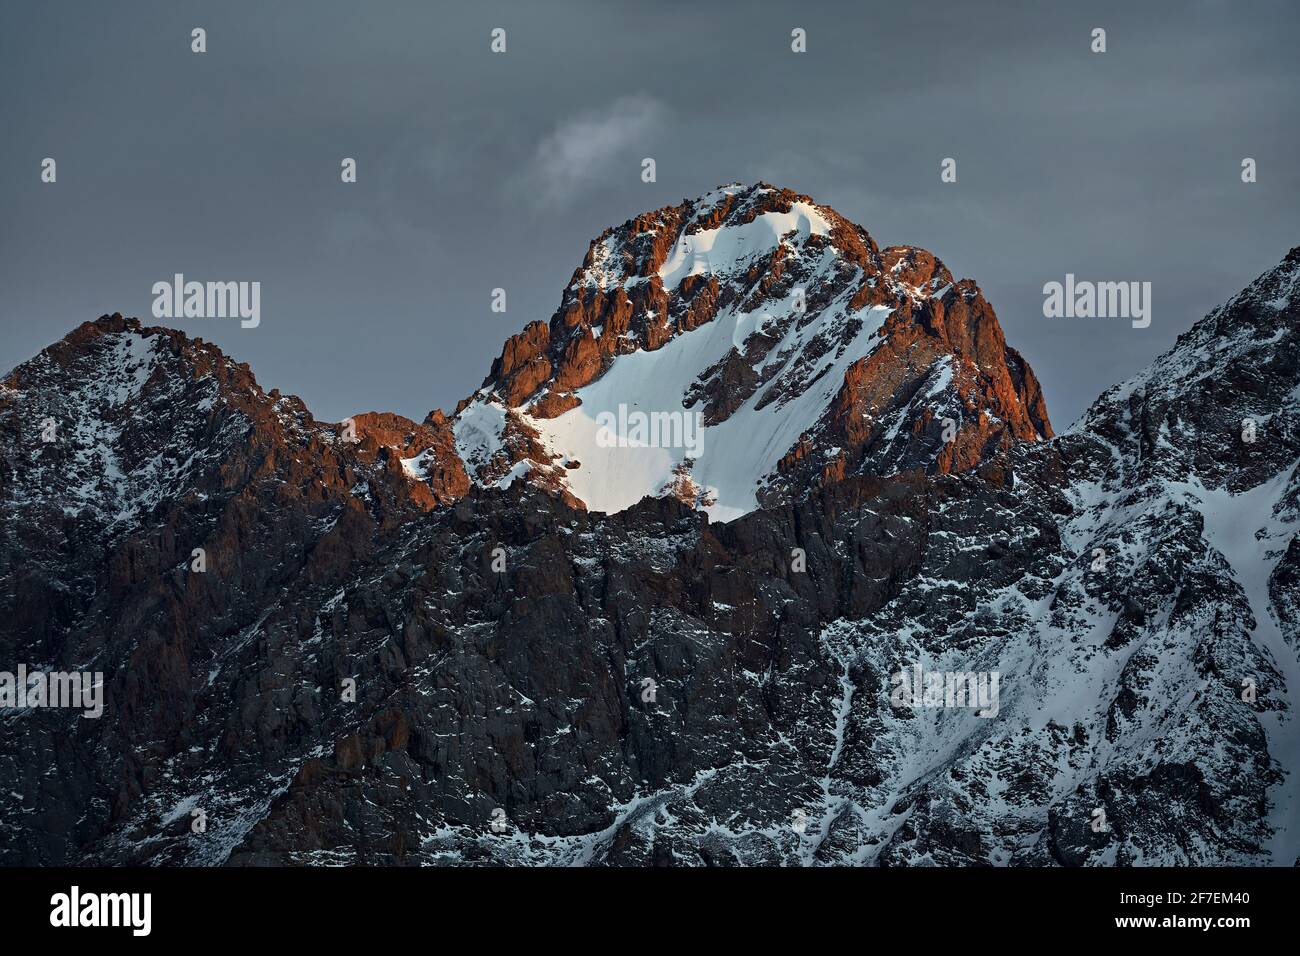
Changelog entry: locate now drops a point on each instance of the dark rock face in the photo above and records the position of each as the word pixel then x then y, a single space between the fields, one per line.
pixel 381 668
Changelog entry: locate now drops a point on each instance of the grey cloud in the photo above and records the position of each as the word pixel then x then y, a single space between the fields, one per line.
pixel 583 149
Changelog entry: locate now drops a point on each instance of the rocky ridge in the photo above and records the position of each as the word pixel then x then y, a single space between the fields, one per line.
pixel 536 682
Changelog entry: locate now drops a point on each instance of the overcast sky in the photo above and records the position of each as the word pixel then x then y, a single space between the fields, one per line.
pixel 479 170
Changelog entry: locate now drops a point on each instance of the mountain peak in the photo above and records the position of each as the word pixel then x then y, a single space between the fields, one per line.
pixel 118 421
pixel 1231 374
pixel 807 351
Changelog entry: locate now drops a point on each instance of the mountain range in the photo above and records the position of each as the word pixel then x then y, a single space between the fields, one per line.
pixel 518 634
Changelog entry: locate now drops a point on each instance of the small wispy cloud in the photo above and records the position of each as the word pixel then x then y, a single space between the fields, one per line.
pixel 584 149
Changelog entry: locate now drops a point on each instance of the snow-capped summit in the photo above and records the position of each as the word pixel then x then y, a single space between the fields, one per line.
pixel 771 339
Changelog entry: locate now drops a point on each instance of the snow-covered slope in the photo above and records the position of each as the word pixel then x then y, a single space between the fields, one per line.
pixel 731 348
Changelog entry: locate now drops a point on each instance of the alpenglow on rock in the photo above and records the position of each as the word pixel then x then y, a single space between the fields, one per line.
pixel 804 352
